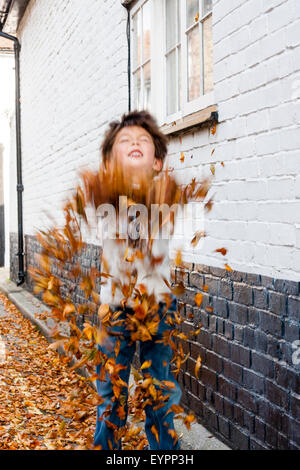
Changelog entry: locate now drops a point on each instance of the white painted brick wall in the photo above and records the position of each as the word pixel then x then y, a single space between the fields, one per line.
pixel 256 215
pixel 74 81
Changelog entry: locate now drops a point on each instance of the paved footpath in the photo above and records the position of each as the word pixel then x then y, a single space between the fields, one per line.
pixel 36 383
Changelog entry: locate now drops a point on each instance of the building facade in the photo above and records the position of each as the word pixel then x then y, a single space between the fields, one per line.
pixel 223 80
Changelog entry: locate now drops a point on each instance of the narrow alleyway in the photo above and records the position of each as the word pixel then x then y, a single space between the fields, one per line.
pixel 35 386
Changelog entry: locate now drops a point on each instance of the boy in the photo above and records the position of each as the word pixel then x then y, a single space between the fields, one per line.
pixel 137 145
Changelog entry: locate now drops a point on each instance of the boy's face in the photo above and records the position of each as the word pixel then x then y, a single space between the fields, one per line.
pixel 134 150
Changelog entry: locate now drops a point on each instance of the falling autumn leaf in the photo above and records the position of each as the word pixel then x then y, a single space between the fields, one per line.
pixel 154 431
pixel 197 366
pixel 178 259
pixel 146 365
pixel 213 129
pixel 173 434
pixel 196 332
pixel 223 251
pixel 228 268
pixel 197 17
pixel 198 299
pixel 188 420
pixel 182 157
pixel 208 205
pixel 198 235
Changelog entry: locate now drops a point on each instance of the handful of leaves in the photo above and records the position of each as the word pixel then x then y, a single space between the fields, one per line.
pixel 62 247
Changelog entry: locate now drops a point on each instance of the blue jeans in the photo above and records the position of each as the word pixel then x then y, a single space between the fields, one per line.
pixel 161 355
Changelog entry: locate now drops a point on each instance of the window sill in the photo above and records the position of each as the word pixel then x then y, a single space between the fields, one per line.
pixel 204 118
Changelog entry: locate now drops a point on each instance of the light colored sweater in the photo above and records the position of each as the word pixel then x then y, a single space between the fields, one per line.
pixel 150 276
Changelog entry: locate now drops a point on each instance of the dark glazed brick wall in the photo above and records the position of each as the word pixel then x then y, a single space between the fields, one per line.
pixel 248 388
pixel 90 256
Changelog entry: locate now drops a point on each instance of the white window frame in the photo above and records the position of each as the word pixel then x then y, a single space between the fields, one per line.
pixel 158 65
pixel 133 11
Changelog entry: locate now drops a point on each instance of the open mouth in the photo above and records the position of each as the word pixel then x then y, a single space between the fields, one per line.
pixel 135 154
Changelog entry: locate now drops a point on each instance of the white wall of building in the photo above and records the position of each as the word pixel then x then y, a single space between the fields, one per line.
pixel 256 214
pixel 74 81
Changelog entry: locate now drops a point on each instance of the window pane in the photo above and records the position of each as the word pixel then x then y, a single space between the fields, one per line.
pixel 178 21
pixel 193 64
pixel 147 86
pixel 137 89
pixel 192 8
pixel 171 23
pixel 146 31
pixel 137 39
pixel 207 6
pixel 208 54
pixel 179 79
pixel 171 83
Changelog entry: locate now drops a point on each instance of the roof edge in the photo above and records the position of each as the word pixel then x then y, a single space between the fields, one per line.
pixel 16 12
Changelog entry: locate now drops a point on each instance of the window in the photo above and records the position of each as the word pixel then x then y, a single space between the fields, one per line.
pixel 141 63
pixel 172 57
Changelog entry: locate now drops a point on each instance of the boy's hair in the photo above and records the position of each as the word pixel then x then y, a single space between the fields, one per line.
pixel 135 118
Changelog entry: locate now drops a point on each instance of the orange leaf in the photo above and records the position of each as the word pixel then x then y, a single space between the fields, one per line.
pixel 178 259
pixel 117 347
pixel 142 288
pixel 214 129
pixel 173 433
pixel 208 205
pixel 103 310
pixel 198 299
pixel 154 431
pixel 188 420
pixel 140 312
pixel 126 252
pixel 197 366
pixel 228 268
pixel 182 157
pixel 223 251
pixel 178 289
pixel 121 412
pixel 196 332
pixel 109 444
pixel 197 237
pixel 146 364
pixel 168 383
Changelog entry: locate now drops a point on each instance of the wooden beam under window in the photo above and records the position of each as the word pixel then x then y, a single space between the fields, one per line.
pixel 202 118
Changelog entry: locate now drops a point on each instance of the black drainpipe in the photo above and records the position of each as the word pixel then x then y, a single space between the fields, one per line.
pixel 20 188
